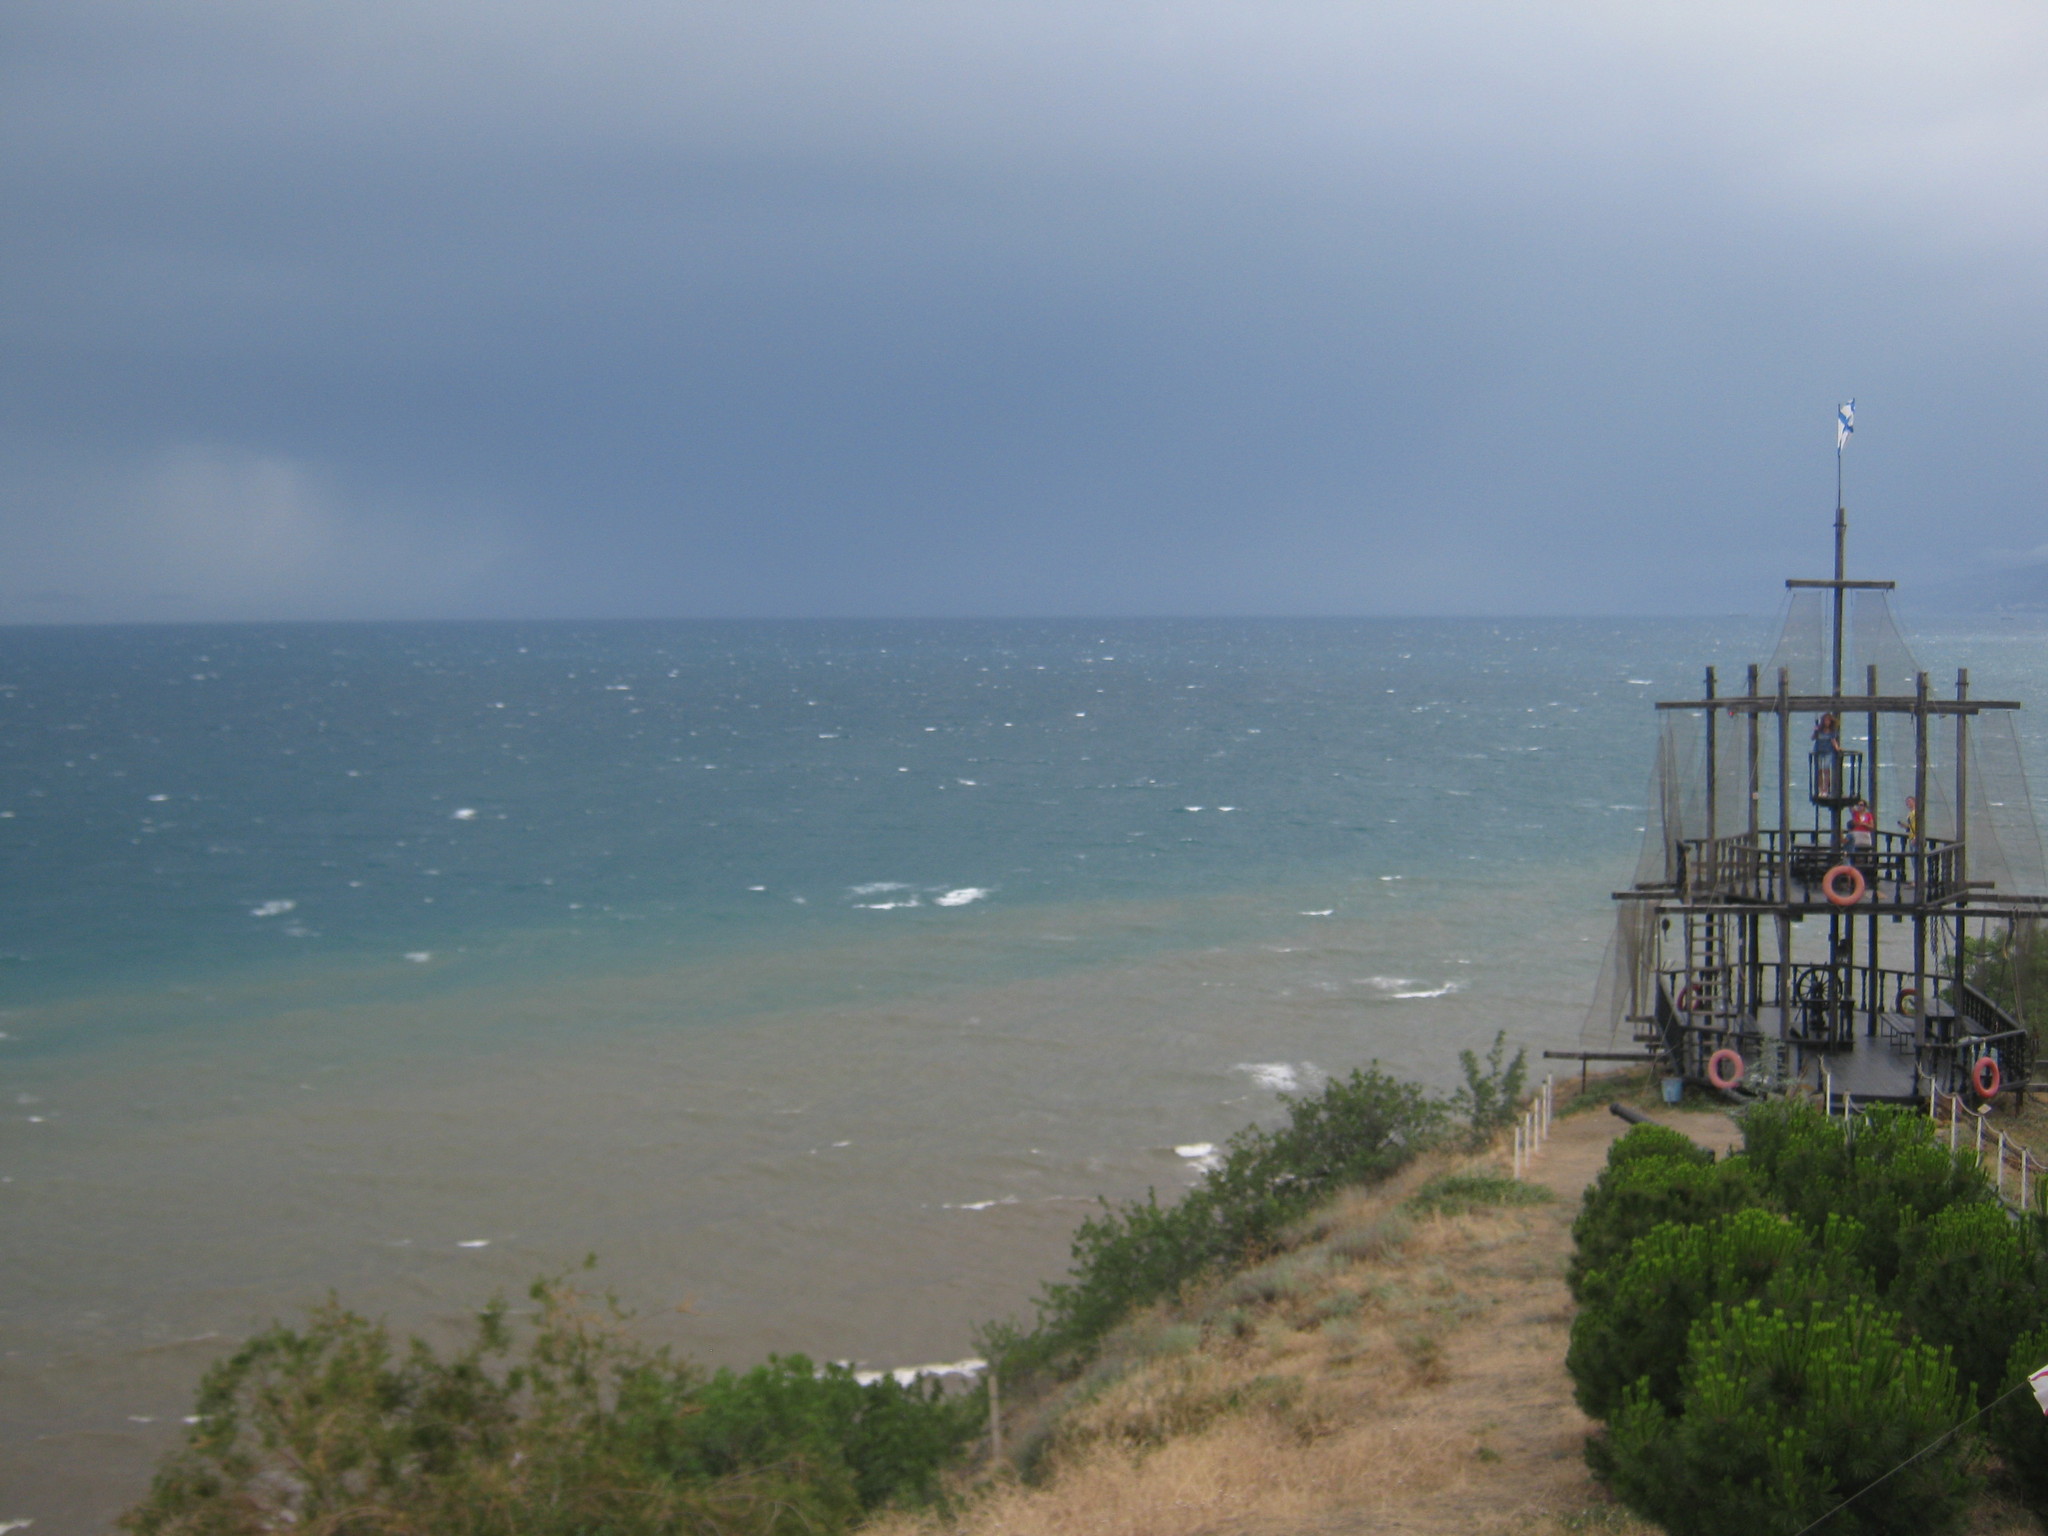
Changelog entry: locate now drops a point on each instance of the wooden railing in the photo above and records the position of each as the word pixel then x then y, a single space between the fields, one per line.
pixel 1765 866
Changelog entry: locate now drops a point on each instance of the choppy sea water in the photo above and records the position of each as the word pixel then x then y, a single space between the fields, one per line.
pixel 816 977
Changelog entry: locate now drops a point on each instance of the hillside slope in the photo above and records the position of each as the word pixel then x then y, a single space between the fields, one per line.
pixel 1400 1370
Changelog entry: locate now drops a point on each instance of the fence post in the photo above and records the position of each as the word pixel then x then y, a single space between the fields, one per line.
pixel 2001 1162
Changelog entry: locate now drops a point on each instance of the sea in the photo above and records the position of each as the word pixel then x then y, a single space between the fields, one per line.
pixel 817 978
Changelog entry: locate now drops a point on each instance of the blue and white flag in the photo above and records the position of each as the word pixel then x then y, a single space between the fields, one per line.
pixel 1845 425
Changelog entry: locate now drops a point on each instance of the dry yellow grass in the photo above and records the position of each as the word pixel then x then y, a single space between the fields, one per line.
pixel 1393 1373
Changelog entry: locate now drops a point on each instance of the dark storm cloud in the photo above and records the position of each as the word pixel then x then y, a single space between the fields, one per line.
pixel 1022 308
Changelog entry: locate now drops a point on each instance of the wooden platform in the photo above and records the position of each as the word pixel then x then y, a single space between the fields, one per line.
pixel 1872 1071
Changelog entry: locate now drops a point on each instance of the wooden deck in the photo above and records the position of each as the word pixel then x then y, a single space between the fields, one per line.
pixel 1871 1071
pixel 1874 1068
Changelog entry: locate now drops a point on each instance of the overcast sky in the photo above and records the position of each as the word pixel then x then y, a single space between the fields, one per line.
pixel 413 308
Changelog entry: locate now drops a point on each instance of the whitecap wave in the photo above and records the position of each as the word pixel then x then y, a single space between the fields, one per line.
pixel 877 888
pixel 980 1205
pixel 910 1375
pixel 1405 987
pixel 276 908
pixel 961 897
pixel 1281 1076
pixel 888 906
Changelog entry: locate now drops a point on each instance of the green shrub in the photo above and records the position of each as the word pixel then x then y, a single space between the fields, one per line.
pixel 867 1444
pixel 1639 1193
pixel 1638 1328
pixel 1884 1167
pixel 1492 1096
pixel 1785 1416
pixel 1973 1280
pixel 1456 1194
pixel 1358 1130
pixel 1654 1140
pixel 2018 1427
pixel 329 1427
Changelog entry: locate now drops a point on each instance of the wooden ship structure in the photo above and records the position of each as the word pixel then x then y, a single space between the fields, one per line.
pixel 1840 874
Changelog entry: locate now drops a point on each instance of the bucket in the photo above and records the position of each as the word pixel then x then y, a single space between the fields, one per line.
pixel 1674 1090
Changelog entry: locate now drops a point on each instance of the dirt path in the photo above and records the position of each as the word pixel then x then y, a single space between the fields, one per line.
pixel 1506 1392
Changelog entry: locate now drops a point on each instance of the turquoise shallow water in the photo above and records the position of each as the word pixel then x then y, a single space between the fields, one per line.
pixel 814 976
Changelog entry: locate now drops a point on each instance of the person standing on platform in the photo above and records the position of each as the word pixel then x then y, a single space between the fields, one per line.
pixel 1827 751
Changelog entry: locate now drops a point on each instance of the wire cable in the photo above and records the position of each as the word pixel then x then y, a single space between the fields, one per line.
pixel 2025 1386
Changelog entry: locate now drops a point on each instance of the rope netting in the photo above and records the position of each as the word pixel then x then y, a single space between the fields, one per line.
pixel 1696 753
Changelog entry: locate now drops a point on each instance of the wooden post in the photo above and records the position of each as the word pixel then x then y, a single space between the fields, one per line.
pixel 1784 883
pixel 2001 1162
pixel 1754 887
pixel 1874 983
pixel 1919 855
pixel 1713 739
pixel 1962 789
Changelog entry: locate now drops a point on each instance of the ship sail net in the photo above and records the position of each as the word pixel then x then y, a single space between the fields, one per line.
pixel 1705 763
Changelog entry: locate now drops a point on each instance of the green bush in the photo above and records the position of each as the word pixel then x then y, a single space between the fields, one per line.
pixel 1973 1280
pixel 1358 1130
pixel 2018 1427
pixel 1787 1415
pixel 582 1431
pixel 1885 1167
pixel 1639 1328
pixel 1455 1194
pixel 1639 1193
pixel 870 1444
pixel 1654 1140
pixel 1492 1096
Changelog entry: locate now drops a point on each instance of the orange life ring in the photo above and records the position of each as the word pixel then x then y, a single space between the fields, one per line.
pixel 1857 886
pixel 1986 1068
pixel 1714 1063
pixel 1909 1003
pixel 1692 998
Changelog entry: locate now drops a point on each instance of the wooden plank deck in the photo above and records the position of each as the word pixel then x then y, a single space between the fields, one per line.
pixel 1870 1071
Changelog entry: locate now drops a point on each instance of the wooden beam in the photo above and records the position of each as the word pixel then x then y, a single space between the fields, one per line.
pixel 1815 703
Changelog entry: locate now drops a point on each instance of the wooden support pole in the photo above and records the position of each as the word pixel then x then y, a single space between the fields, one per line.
pixel 1962 786
pixel 1919 856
